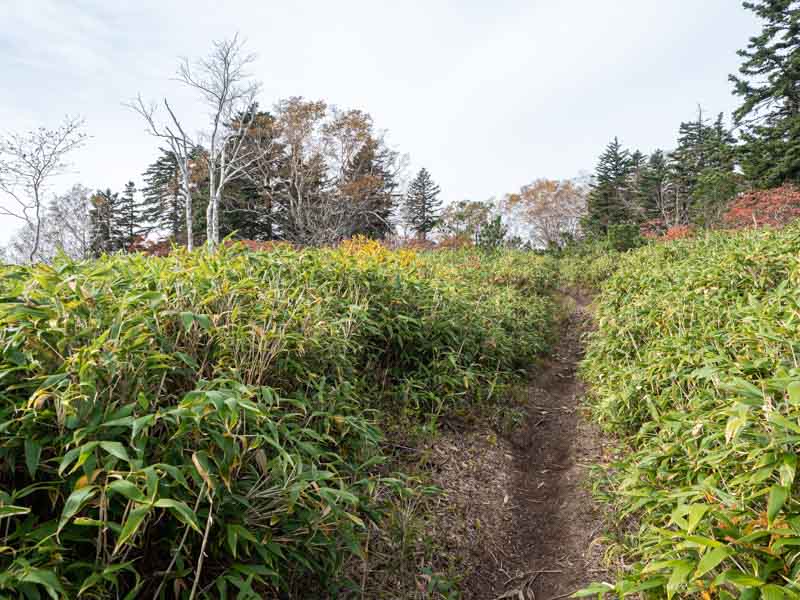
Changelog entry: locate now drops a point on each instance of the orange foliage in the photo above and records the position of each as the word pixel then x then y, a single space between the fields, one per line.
pixel 656 230
pixel 678 232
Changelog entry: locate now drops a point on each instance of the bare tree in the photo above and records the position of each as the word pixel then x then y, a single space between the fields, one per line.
pixel 181 146
pixel 65 228
pixel 230 94
pixel 552 209
pixel 28 161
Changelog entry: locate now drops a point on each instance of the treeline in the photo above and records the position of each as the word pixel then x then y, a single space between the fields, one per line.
pixel 691 184
pixel 328 175
pixel 305 172
pixel 713 161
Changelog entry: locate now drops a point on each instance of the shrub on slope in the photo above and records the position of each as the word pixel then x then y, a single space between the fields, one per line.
pixel 695 365
pixel 157 410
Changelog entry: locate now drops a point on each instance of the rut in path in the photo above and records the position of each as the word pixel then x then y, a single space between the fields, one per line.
pixel 549 548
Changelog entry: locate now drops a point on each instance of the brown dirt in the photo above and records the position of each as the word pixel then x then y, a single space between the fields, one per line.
pixel 519 510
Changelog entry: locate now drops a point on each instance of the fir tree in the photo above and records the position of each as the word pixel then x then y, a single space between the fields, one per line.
pixel 609 199
pixel 653 186
pixel 704 151
pixel 128 222
pixel 422 204
pixel 769 85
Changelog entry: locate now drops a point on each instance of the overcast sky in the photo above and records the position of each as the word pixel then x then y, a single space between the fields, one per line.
pixel 488 95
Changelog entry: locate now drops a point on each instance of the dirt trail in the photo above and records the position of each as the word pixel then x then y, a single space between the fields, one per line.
pixel 545 542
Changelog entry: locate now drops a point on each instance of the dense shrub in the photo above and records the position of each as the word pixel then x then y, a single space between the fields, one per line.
pixel 695 365
pixel 776 208
pixel 588 265
pixel 154 411
pixel 624 236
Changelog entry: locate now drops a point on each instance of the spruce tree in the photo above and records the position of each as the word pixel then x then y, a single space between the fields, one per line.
pixel 128 222
pixel 422 204
pixel 162 208
pixel 609 200
pixel 768 86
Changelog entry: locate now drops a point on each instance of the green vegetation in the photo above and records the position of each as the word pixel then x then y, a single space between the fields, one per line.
pixel 695 367
pixel 586 266
pixel 206 424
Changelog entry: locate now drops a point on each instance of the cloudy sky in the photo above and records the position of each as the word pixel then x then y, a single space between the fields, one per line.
pixel 488 95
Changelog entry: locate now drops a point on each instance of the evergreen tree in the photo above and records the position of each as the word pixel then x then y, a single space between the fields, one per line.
pixel 492 234
pixel 422 204
pixel 610 198
pixel 653 186
pixel 163 206
pixel 635 197
pixel 704 152
pixel 769 85
pixel 128 222
pixel 104 235
pixel 369 181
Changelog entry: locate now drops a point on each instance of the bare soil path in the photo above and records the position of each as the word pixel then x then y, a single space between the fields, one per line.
pixel 531 526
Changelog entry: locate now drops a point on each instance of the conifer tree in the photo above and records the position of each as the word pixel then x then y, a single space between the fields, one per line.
pixel 369 180
pixel 163 206
pixel 654 184
pixel 128 222
pixel 104 235
pixel 705 153
pixel 609 200
pixel 768 86
pixel 422 204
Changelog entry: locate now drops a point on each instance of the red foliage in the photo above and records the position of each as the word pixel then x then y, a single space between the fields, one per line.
pixel 775 208
pixel 657 230
pixel 678 232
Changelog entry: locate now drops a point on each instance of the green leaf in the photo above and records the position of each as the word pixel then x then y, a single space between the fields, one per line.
pixel 793 389
pixel 678 577
pixel 141 423
pixel 132 524
pixel 710 560
pixel 127 489
pixel 738 578
pixel 203 321
pixel 115 449
pixel 33 452
pixel 696 512
pixel 772 592
pixel 182 511
pixel 777 498
pixel 10 510
pixel 787 470
pixel 47 579
pixel 75 502
pixel 187 319
pixel 81 453
pixel 593 590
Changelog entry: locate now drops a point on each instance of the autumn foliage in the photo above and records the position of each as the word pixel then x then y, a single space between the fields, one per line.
pixel 775 208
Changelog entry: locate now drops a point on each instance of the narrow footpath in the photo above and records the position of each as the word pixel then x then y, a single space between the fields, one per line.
pixel 548 547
